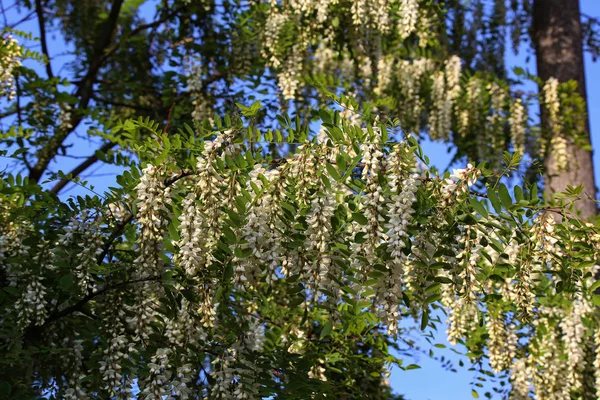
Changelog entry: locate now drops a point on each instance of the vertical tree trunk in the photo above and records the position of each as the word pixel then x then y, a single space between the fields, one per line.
pixel 559 52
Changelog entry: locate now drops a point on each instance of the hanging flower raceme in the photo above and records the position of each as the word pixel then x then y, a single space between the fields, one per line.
pixel 262 228
pixel 502 343
pixel 551 374
pixel 518 125
pixel 408 14
pixel 153 199
pixel 574 336
pixel 83 233
pixel 403 183
pixel 9 60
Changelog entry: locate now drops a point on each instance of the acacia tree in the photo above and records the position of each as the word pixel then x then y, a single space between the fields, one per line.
pixel 234 260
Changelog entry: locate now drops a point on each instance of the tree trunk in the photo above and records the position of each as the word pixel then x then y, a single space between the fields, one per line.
pixel 559 51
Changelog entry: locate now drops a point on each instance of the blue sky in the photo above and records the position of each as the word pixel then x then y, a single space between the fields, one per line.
pixel 431 382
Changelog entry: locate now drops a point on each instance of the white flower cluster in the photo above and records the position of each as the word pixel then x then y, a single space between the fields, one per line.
pixel 117 351
pixel 552 103
pixel 9 60
pixel 385 67
pixel 195 86
pixel 440 117
pixel 403 184
pixel 11 246
pixel 116 381
pixel 425 28
pixel 502 344
pixel 471 108
pixel 574 336
pixel 83 232
pixel 317 371
pixel 518 125
pixel 75 385
pixel 288 79
pixel 373 199
pixel 453 67
pixel 31 306
pixel 520 380
pixel 153 197
pixel 523 290
pixel 275 22
pixel 408 15
pixel 172 372
pixel 410 76
pixel 463 316
pixel 558 143
pixel 159 374
pixel 318 234
pixel 324 57
pixel 560 152
pixel 235 375
pixel 544 238
pixel 490 144
pixel 201 218
pixel 359 11
pixel 64 118
pixel 444 91
pixel 262 228
pixel 551 375
pixel 455 189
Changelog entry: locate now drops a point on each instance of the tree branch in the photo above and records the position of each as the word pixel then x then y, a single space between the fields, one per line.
pixel 119 104
pixel 79 305
pixel 42 25
pixel 81 167
pixel 84 92
pixel 102 52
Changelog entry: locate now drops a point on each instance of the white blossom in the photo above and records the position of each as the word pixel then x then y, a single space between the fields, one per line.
pixel 408 14
pixel 9 61
pixel 518 125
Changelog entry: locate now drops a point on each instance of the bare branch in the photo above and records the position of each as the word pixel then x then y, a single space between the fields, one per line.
pixel 84 92
pixel 42 25
pixel 75 172
pixel 78 307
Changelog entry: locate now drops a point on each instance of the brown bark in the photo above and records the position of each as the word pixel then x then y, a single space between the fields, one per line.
pixel 558 44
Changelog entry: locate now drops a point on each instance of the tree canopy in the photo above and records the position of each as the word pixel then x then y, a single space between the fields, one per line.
pixel 277 218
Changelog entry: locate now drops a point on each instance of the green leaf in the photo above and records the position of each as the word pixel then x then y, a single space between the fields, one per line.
pixel 229 235
pixel 518 193
pixel 474 394
pixel 227 273
pixel 333 172
pixel 424 320
pixel 477 206
pixel 534 192
pixel 5 389
pixel 66 283
pixel 360 218
pixel 493 197
pixel 327 328
pixel 505 196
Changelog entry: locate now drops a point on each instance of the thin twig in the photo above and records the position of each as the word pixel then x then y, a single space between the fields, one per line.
pixel 168 119
pixel 42 27
pixel 75 172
